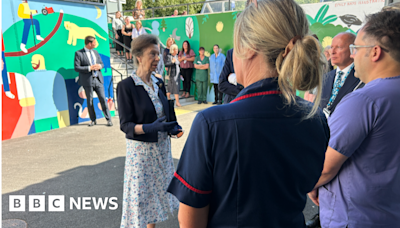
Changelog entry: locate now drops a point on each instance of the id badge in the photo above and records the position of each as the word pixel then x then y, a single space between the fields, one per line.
pixel 327 113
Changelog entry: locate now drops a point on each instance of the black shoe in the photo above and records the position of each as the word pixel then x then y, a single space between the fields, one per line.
pixel 205 102
pixel 219 103
pixel 314 222
pixel 199 102
pixel 109 123
pixel 92 123
pixel 215 102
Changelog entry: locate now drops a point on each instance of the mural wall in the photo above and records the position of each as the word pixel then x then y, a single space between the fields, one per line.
pixel 39 84
pixel 326 20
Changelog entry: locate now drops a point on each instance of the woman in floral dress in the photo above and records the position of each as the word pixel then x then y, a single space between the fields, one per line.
pixel 145 119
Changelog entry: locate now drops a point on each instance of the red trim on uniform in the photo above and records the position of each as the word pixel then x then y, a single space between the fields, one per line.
pixel 189 186
pixel 256 95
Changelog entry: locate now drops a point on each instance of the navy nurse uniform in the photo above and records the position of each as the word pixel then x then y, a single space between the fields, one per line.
pixel 253 160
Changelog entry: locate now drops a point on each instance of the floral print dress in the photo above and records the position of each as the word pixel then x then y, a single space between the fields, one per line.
pixel 149 169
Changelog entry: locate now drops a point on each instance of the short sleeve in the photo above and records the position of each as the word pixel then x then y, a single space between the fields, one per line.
pixel 351 123
pixel 193 181
pixel 207 60
pixel 191 53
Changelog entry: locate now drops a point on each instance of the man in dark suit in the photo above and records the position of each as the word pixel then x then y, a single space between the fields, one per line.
pixel 224 85
pixel 338 83
pixel 88 63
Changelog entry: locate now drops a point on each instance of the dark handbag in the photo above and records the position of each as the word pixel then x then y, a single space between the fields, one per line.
pixel 172 115
pixel 171 104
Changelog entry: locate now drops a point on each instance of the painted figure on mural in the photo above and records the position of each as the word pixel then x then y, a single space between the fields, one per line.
pixel 26 14
pixel 4 77
pixel 49 89
pixel 18 111
pixel 83 111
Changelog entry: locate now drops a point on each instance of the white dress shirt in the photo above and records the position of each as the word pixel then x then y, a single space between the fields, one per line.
pixel 345 70
pixel 136 33
pixel 87 51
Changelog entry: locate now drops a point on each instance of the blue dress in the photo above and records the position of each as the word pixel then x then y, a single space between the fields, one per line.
pixel 252 161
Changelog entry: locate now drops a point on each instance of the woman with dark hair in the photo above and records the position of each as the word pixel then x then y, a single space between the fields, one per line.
pixel 217 61
pixel 186 58
pixel 146 120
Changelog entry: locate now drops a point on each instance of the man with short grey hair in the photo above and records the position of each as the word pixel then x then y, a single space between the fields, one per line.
pixel 341 81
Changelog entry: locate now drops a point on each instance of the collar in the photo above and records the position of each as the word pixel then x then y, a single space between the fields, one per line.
pixel 346 69
pixel 87 50
pixel 268 86
pixel 139 82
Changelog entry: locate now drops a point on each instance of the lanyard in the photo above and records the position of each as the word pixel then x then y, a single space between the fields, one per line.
pixel 335 93
pixel 272 92
pixel 345 76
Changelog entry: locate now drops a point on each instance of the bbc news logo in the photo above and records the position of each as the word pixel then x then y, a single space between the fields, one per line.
pixel 37 203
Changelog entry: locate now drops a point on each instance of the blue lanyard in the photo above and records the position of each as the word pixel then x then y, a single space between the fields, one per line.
pixel 345 76
pixel 335 93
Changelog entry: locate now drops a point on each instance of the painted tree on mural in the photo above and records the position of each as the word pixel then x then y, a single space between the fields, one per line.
pixel 163 25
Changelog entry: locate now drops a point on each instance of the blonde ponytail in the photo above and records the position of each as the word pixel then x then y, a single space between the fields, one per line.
pixel 302 69
pixel 268 29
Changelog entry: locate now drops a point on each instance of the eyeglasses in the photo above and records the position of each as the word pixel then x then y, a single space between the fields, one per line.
pixel 353 48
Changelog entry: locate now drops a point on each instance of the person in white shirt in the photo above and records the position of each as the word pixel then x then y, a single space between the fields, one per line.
pixel 139 30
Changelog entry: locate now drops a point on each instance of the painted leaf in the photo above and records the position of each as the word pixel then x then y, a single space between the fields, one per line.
pixel 321 13
pixel 310 19
pixel 329 19
pixel 189 27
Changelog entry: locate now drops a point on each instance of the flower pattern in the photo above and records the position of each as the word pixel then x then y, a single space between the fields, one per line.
pixel 149 169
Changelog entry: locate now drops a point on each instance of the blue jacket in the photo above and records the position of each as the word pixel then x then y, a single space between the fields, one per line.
pixel 216 65
pixel 231 91
pixel 136 107
pixel 253 161
pixel 348 87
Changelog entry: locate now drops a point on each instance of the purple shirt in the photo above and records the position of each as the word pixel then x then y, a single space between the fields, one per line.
pixel 366 128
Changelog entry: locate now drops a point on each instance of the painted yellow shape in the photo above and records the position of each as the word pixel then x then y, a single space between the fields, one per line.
pixel 326 41
pixel 76 32
pixel 38 62
pixel 63 118
pixel 25 12
pixel 181 111
pixel 29 101
pixel 191 108
pixel 98 12
pixel 220 26
pixel 206 53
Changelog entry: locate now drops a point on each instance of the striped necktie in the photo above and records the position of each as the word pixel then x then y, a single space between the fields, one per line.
pixel 93 63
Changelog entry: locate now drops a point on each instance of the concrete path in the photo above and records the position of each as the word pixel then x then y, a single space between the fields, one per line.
pixel 77 161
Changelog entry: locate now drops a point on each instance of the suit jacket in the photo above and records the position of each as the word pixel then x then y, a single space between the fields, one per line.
pixel 348 87
pixel 224 86
pixel 81 65
pixel 136 107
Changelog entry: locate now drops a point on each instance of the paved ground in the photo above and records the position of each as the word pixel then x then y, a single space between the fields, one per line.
pixel 77 161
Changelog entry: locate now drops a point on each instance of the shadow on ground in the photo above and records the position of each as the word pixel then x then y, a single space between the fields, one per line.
pixel 99 181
